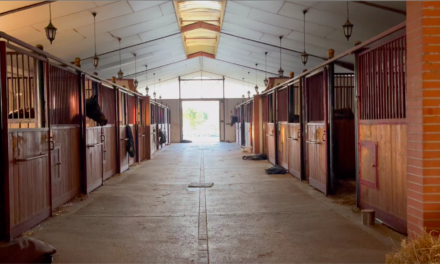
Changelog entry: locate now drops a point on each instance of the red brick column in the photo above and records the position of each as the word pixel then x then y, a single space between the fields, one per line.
pixel 423 116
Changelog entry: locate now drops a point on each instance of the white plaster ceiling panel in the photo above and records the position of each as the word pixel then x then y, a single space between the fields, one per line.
pixel 84 43
pixel 101 3
pixel 241 31
pixel 289 23
pixel 26 33
pixel 255 25
pixel 10 5
pixel 326 43
pixel 269 6
pixel 295 45
pixel 145 26
pixel 399 5
pixel 362 12
pixel 159 32
pixel 237 9
pixel 140 5
pixel 67 22
pixel 305 3
pixel 64 38
pixel 167 8
pixel 24 18
pixel 119 21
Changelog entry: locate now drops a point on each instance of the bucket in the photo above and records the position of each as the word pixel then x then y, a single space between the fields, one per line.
pixel 368 217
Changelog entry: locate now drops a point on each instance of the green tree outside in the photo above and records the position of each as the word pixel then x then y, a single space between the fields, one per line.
pixel 194 117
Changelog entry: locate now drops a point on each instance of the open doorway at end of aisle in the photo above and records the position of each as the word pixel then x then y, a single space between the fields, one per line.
pixel 201 121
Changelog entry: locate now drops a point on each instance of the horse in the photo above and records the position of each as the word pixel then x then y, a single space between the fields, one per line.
pixel 93 111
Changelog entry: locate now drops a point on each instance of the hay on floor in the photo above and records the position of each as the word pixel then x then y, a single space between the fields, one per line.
pixel 421 250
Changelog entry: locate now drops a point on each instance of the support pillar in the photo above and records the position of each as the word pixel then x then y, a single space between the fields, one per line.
pixel 257 125
pixel 423 116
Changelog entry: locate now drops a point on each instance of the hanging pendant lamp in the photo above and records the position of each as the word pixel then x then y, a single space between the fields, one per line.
pixel 160 85
pixel 266 81
pixel 51 31
pixel 146 77
pixel 120 73
pixel 256 86
pixel 280 71
pixel 135 82
pixel 348 27
pixel 304 55
pixel 154 93
pixel 95 58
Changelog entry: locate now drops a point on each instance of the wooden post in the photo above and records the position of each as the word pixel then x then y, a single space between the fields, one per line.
pixel 256 125
pixel 117 136
pixel 5 210
pixel 331 129
pixel 136 126
pixel 49 107
pixel 82 125
pixel 148 126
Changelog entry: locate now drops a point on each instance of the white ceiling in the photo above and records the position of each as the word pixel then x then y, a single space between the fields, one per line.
pixel 140 22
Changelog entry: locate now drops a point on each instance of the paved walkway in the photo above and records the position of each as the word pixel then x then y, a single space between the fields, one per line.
pixel 148 215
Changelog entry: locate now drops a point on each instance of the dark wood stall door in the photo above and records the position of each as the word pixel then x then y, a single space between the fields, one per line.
pixel 29 176
pixel 294 131
pixel 28 141
pixel 382 132
pixel 316 141
pixel 141 130
pixel 94 143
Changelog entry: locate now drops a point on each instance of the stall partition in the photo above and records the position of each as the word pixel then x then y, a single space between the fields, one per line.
pixel 316 127
pixel 382 132
pixel 294 138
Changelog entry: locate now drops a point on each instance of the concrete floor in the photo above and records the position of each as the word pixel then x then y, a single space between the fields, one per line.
pixel 149 215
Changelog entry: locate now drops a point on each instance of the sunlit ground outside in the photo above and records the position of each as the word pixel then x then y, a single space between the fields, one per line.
pixel 201 121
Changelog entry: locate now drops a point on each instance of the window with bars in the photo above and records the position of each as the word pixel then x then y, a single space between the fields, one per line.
pixel 315 97
pixel 22 89
pixel 381 81
pixel 343 95
pixel 294 103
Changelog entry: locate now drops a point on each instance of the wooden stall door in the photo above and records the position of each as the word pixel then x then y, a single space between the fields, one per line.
pixel 294 140
pixel 316 139
pixel 283 153
pixel 270 139
pixel 109 151
pixel 317 156
pixel 29 178
pixel 123 149
pixel 130 159
pixel 141 140
pixel 94 158
pixel 153 139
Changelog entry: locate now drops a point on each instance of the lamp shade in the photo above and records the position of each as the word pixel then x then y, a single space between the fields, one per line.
pixel 95 60
pixel 281 72
pixel 348 29
pixel 147 90
pixel 135 83
pixel 120 74
pixel 266 82
pixel 304 57
pixel 51 32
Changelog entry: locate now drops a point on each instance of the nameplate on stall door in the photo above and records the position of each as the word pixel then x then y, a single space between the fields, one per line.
pixel 201 185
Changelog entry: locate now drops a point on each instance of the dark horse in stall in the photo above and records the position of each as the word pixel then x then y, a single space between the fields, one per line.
pixel 93 111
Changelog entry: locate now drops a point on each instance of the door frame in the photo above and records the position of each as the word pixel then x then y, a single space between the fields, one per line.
pixel 220 121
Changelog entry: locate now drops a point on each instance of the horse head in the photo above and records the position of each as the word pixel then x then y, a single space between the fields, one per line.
pixel 93 111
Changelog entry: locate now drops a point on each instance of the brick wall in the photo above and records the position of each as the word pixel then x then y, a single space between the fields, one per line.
pixel 423 115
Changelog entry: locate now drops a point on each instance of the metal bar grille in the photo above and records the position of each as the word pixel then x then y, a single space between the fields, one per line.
pixel 381 81
pixel 64 96
pixel 315 98
pixel 21 88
